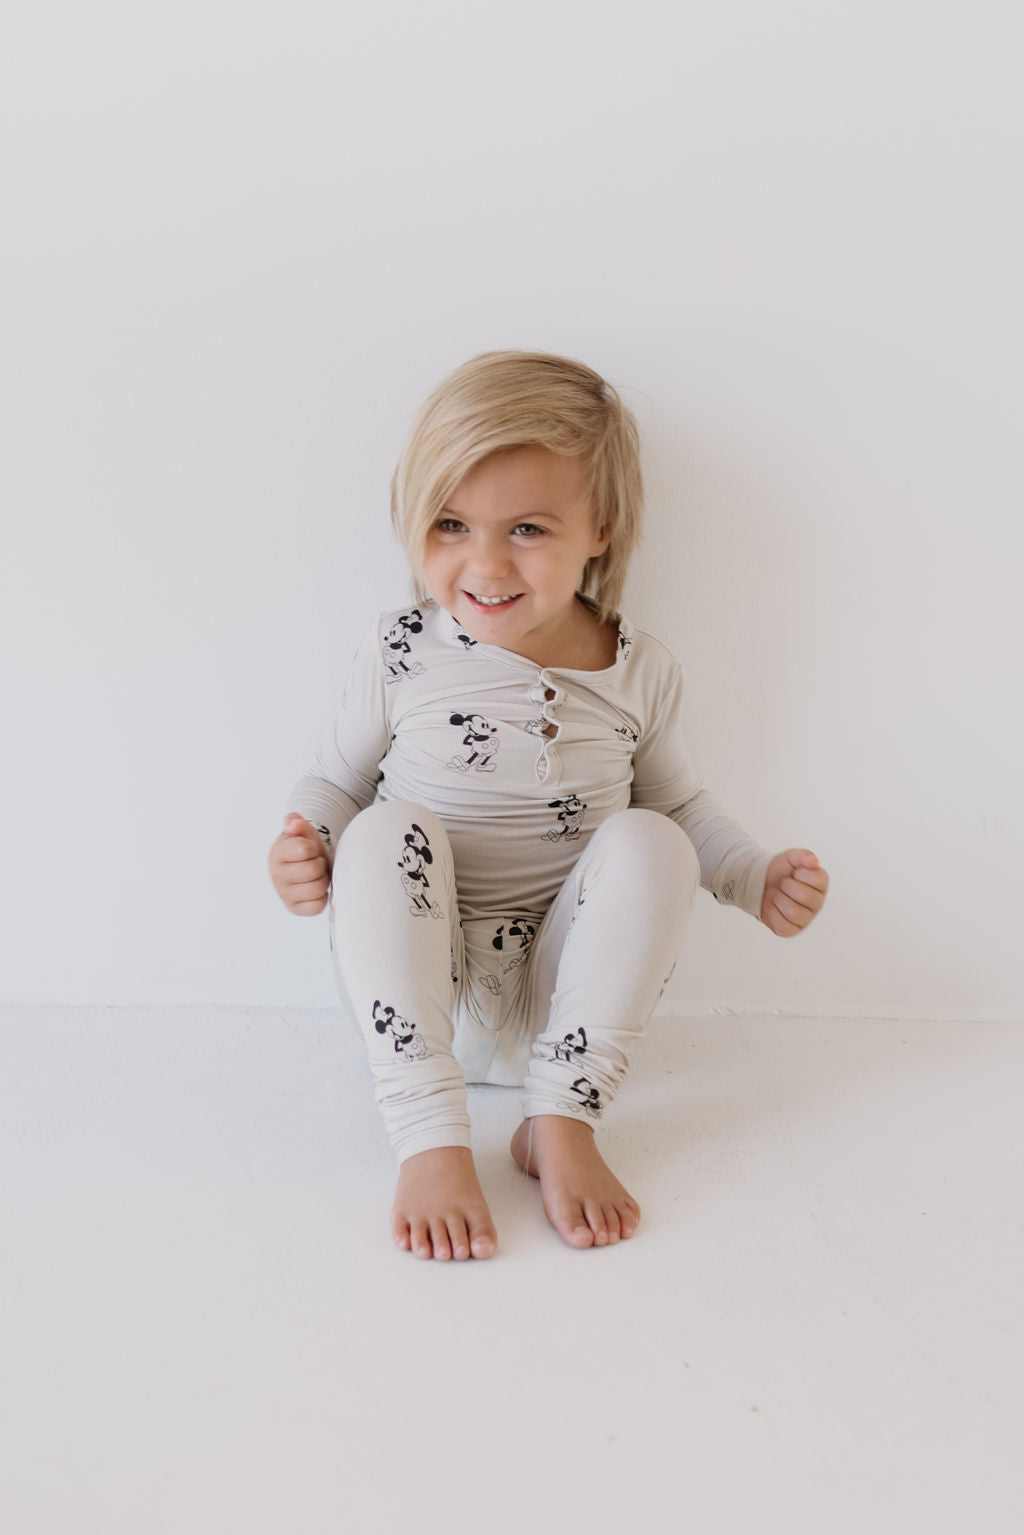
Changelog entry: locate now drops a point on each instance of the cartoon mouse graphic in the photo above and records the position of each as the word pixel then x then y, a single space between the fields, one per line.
pixel 572 1044
pixel 589 1094
pixel 590 1097
pixel 515 938
pixel 415 858
pixel 396 647
pixel 407 1041
pixel 570 815
pixel 480 735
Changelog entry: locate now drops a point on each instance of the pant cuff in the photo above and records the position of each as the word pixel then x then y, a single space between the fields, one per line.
pixel 568 1104
pixel 431 1140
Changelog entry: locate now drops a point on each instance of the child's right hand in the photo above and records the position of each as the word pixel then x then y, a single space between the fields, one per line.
pixel 298 867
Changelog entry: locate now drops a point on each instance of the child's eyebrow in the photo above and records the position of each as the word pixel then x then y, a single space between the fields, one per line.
pixel 446 511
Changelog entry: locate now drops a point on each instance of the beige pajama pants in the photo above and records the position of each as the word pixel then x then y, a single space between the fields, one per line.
pixel 555 1001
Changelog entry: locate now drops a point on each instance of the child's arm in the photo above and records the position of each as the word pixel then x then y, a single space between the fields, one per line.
pixel 733 866
pixel 341 781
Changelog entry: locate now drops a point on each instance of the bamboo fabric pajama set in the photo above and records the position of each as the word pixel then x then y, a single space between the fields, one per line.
pixel 515 851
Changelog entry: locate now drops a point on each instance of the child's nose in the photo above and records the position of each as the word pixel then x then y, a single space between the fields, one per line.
pixel 490 557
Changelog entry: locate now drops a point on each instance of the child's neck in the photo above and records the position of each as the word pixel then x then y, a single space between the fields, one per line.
pixel 590 646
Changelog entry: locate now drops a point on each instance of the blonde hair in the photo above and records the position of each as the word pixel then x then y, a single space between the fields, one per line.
pixel 525 399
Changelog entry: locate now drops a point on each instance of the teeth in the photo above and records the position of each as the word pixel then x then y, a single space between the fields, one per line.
pixel 490 602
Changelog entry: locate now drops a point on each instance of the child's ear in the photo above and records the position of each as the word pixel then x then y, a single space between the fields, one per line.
pixel 602 538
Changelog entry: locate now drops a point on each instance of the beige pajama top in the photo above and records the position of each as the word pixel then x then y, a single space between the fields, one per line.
pixel 522 763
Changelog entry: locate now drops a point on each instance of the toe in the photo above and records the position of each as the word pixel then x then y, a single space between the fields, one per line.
pixel 458 1236
pixel 611 1220
pixel 570 1222
pixel 596 1222
pixel 483 1239
pixel 439 1238
pixel 400 1232
pixel 420 1238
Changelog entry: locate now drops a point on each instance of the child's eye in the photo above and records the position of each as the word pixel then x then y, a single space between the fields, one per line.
pixel 450 525
pixel 528 529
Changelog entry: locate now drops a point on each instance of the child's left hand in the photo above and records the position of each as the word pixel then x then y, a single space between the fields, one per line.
pixel 794 892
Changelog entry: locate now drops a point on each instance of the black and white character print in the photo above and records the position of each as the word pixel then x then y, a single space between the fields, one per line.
pixel 416 858
pixel 463 637
pixel 480 744
pixel 588 1097
pixel 625 645
pixel 407 1041
pixel 574 1043
pixel 570 819
pixel 628 734
pixel 513 940
pixel 325 835
pixel 396 648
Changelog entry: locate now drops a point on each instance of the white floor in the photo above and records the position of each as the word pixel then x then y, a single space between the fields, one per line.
pixel 205 1327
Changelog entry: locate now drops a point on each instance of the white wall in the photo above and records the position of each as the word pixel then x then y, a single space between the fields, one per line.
pixel 241 243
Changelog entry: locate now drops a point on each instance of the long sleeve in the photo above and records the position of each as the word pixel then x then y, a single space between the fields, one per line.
pixel 346 768
pixel 732 864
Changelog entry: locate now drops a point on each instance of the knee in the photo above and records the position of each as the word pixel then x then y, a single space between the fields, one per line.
pixel 656 844
pixel 390 815
pixel 398 827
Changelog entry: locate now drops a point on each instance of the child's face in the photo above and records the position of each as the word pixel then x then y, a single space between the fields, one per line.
pixel 519 526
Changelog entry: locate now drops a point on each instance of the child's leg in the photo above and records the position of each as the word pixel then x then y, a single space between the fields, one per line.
pixel 395 928
pixel 598 966
pixel 602 957
pixel 397 942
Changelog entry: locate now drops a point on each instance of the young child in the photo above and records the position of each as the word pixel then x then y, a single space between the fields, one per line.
pixel 504 817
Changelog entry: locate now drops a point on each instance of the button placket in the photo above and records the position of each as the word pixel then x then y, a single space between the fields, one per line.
pixel 548 696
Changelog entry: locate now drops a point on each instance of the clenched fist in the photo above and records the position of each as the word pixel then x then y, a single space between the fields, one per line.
pixel 795 888
pixel 298 867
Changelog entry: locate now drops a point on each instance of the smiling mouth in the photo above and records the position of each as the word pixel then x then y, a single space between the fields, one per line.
pixel 493 602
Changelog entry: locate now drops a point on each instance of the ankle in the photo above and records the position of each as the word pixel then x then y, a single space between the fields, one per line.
pixel 559 1124
pixel 442 1151
pixel 438 1156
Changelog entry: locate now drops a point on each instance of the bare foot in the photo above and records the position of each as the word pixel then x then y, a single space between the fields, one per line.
pixel 582 1197
pixel 440 1210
